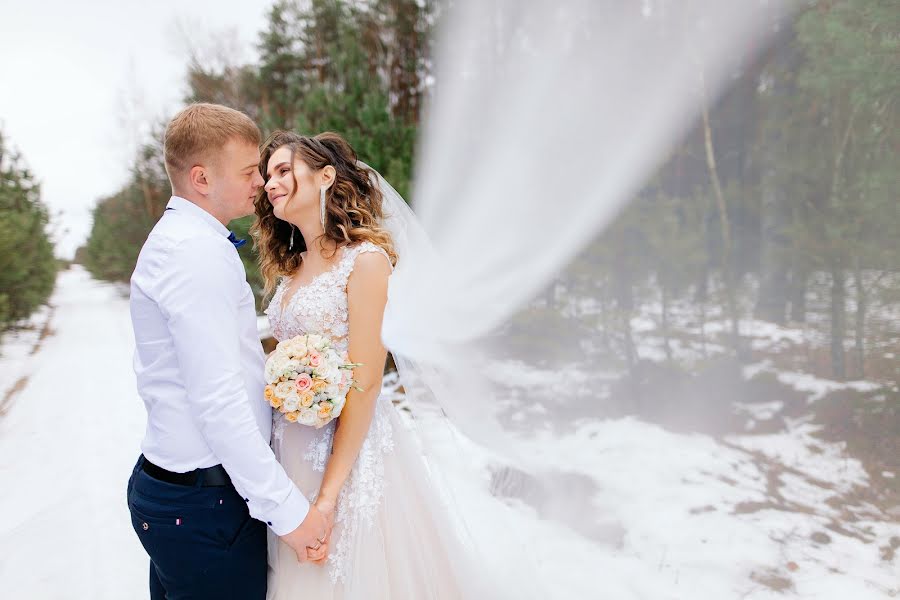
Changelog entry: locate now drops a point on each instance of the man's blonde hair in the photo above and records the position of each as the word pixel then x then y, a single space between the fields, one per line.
pixel 201 130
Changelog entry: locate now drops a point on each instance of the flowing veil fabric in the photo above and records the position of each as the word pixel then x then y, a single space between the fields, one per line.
pixel 546 118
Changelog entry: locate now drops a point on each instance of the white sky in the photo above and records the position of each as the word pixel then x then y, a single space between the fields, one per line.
pixel 80 79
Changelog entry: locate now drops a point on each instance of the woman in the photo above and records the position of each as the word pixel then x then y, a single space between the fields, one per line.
pixel 326 256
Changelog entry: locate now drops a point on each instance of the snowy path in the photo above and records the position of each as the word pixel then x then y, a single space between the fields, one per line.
pixel 750 516
pixel 68 442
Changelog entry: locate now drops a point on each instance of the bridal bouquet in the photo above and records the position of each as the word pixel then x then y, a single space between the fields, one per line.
pixel 308 380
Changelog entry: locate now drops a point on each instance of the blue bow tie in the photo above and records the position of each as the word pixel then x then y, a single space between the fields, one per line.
pixel 235 240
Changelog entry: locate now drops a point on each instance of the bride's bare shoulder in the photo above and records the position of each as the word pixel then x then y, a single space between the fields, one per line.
pixel 371 264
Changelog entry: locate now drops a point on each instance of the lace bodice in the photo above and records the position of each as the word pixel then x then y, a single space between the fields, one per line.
pixel 321 307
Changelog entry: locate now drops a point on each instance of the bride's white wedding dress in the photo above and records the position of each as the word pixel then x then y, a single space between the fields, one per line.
pixel 393 538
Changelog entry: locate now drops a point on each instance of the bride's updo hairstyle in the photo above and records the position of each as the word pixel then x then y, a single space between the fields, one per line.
pixel 353 205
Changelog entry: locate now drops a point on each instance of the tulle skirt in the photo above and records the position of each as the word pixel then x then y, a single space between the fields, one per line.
pixel 394 537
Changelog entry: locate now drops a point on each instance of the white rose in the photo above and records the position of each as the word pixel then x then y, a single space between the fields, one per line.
pixel 271 374
pixel 290 367
pixel 338 407
pixel 333 376
pixel 307 417
pixel 284 388
pixel 279 361
pixel 333 391
pixel 291 402
pixel 296 347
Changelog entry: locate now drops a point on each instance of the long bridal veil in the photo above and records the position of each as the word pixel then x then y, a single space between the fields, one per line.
pixel 546 118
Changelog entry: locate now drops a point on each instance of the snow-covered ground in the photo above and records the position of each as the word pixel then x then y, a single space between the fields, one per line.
pixel 689 516
pixel 68 442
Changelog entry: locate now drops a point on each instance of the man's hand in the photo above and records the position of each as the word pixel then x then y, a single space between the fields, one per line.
pixel 311 533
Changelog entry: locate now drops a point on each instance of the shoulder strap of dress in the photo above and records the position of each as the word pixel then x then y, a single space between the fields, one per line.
pixel 348 260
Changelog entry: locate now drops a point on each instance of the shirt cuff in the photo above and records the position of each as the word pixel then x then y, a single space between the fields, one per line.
pixel 288 515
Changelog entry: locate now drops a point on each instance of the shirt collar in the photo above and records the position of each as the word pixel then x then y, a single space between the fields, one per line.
pixel 187 207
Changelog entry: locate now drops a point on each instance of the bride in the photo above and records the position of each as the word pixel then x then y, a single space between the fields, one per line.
pixel 327 256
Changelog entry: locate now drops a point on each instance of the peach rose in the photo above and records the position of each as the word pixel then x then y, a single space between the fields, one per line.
pixel 269 392
pixel 283 388
pixel 324 410
pixel 306 399
pixel 291 417
pixel 319 385
pixel 275 401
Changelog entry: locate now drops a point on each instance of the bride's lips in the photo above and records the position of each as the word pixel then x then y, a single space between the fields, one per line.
pixel 274 199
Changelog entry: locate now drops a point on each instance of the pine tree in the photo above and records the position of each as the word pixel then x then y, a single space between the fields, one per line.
pixel 27 265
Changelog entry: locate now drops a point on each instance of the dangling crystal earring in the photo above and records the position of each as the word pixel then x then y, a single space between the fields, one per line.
pixel 322 205
pixel 291 242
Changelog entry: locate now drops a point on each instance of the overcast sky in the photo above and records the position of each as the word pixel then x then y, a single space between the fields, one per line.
pixel 79 79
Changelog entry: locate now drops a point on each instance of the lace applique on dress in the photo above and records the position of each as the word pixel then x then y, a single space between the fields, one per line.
pixel 277 427
pixel 319 448
pixel 361 495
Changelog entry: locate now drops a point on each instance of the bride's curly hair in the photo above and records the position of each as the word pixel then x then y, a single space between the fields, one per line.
pixel 353 204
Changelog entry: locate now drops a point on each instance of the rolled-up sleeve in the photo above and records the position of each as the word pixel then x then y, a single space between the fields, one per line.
pixel 200 295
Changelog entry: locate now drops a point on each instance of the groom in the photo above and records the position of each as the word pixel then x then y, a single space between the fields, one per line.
pixel 207 483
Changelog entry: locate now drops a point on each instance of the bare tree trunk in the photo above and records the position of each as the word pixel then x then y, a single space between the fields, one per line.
pixel 838 321
pixel 624 295
pixel 860 325
pixel 702 302
pixel 604 323
pixel 838 291
pixel 727 245
pixel 664 301
pixel 799 277
pixel 775 218
pixel 148 198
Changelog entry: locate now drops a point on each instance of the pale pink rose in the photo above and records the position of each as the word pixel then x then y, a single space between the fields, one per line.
pixel 315 359
pixel 303 382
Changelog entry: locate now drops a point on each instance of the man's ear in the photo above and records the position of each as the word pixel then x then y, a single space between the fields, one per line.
pixel 198 178
pixel 327 175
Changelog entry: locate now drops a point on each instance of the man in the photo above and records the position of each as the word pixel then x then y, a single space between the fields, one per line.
pixel 207 483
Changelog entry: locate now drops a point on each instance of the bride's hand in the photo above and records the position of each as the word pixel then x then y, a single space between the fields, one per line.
pixel 326 507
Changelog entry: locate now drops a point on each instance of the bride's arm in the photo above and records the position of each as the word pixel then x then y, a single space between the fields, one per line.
pixel 366 299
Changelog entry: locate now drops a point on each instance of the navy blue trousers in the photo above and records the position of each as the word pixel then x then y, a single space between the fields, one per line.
pixel 202 541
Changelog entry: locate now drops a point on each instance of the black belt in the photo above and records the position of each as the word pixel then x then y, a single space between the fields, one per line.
pixel 208 477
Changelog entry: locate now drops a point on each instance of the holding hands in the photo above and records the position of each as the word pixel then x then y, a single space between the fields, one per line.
pixel 319 552
pixel 310 540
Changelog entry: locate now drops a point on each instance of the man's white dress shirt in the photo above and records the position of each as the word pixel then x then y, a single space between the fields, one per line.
pixel 199 363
